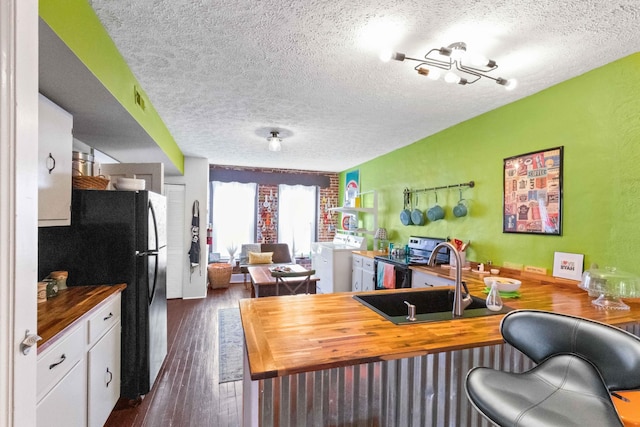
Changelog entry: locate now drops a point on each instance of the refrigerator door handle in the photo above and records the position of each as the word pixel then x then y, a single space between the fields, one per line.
pixel 146 253
pixel 152 292
pixel 155 225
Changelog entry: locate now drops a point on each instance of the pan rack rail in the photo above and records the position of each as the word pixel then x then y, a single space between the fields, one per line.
pixel 469 184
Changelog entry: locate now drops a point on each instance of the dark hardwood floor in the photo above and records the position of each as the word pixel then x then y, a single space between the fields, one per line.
pixel 187 392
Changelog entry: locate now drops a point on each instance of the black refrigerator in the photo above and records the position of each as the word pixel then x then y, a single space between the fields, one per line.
pixel 119 237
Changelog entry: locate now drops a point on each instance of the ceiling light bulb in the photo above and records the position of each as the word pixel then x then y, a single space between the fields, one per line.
pixel 451 78
pixel 385 55
pixel 510 84
pixel 478 60
pixel 434 74
pixel 397 56
pixel 274 142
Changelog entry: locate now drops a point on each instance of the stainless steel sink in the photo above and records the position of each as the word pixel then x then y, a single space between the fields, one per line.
pixel 431 306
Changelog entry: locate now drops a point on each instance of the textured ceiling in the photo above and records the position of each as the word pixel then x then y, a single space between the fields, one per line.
pixel 223 74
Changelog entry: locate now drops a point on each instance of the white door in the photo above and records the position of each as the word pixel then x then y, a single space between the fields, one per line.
pixel 176 257
pixel 18 208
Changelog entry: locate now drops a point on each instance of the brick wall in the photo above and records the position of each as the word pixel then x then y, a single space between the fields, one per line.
pixel 267 219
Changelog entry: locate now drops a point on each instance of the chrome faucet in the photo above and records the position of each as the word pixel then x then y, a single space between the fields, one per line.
pixel 459 303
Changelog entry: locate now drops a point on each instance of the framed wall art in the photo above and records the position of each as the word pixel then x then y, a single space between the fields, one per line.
pixel 532 195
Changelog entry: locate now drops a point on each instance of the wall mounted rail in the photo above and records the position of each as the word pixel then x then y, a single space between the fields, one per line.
pixel 469 184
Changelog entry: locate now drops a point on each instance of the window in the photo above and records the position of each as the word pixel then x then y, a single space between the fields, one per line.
pixel 232 215
pixel 297 217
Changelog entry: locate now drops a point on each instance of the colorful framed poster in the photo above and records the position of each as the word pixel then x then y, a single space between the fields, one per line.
pixel 567 265
pixel 532 193
pixel 351 192
pixel 351 186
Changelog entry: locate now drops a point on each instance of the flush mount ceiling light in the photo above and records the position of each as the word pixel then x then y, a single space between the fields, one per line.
pixel 274 141
pixel 459 66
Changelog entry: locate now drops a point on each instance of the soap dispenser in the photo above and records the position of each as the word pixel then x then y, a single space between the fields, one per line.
pixel 494 301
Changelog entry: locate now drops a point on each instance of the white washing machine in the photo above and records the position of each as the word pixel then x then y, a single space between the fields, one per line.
pixel 332 262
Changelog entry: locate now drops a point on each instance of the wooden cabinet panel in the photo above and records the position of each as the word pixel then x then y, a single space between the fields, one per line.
pixel 104 377
pixel 78 376
pixel 356 273
pixel 368 273
pixel 59 359
pixel 426 280
pixel 66 404
pixel 55 143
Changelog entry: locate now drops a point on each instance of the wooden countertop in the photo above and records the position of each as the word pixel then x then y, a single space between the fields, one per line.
pixel 370 254
pixel 62 311
pixel 301 333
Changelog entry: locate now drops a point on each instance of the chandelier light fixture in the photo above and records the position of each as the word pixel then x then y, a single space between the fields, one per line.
pixel 458 65
pixel 274 141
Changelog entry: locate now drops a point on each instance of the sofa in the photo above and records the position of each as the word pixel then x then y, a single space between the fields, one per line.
pixel 281 255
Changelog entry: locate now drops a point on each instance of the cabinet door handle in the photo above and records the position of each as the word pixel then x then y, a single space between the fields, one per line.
pixel 108 317
pixel 51 161
pixel 62 359
pixel 109 377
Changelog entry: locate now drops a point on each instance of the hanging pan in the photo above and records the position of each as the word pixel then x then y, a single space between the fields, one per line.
pixel 405 215
pixel 417 216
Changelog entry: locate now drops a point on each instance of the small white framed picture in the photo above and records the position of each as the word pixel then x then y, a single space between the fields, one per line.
pixel 568 265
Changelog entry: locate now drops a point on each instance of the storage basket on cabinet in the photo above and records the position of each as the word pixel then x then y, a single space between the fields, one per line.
pixel 89 182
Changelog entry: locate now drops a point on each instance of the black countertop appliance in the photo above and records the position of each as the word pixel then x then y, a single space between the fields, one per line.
pixel 119 237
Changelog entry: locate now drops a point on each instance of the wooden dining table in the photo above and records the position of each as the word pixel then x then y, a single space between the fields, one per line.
pixel 263 284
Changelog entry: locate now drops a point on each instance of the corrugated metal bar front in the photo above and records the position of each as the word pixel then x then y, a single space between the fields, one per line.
pixel 422 391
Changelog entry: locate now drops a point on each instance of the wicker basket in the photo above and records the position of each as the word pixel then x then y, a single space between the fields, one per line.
pixel 219 274
pixel 89 182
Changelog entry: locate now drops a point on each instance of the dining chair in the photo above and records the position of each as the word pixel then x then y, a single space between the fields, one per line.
pixel 293 285
pixel 581 364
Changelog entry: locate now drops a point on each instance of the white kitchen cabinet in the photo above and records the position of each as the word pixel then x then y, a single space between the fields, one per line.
pixel 356 272
pixel 78 376
pixel 420 279
pixel 66 403
pixel 362 273
pixel 55 143
pixel 104 377
pixel 368 274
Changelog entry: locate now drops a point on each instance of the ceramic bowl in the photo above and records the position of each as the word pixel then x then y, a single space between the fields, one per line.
pixel 130 184
pixel 504 283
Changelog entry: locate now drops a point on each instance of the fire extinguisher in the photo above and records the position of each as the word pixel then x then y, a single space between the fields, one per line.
pixel 209 234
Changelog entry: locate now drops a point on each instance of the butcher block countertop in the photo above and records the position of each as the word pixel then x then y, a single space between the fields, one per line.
pixel 301 333
pixel 64 310
pixel 370 254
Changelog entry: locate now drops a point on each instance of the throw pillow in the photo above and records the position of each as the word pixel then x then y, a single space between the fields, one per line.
pixel 260 257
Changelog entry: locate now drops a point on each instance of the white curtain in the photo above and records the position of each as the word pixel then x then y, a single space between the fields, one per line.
pixel 233 215
pixel 297 217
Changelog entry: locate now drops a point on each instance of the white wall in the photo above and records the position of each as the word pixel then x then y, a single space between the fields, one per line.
pixel 196 182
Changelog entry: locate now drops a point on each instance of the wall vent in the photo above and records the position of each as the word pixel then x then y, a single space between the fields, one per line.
pixel 138 98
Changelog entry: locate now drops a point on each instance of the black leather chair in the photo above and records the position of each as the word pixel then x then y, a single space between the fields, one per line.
pixel 579 363
pixel 295 285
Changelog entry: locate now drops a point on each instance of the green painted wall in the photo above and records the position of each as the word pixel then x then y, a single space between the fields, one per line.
pixel 595 116
pixel 77 25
